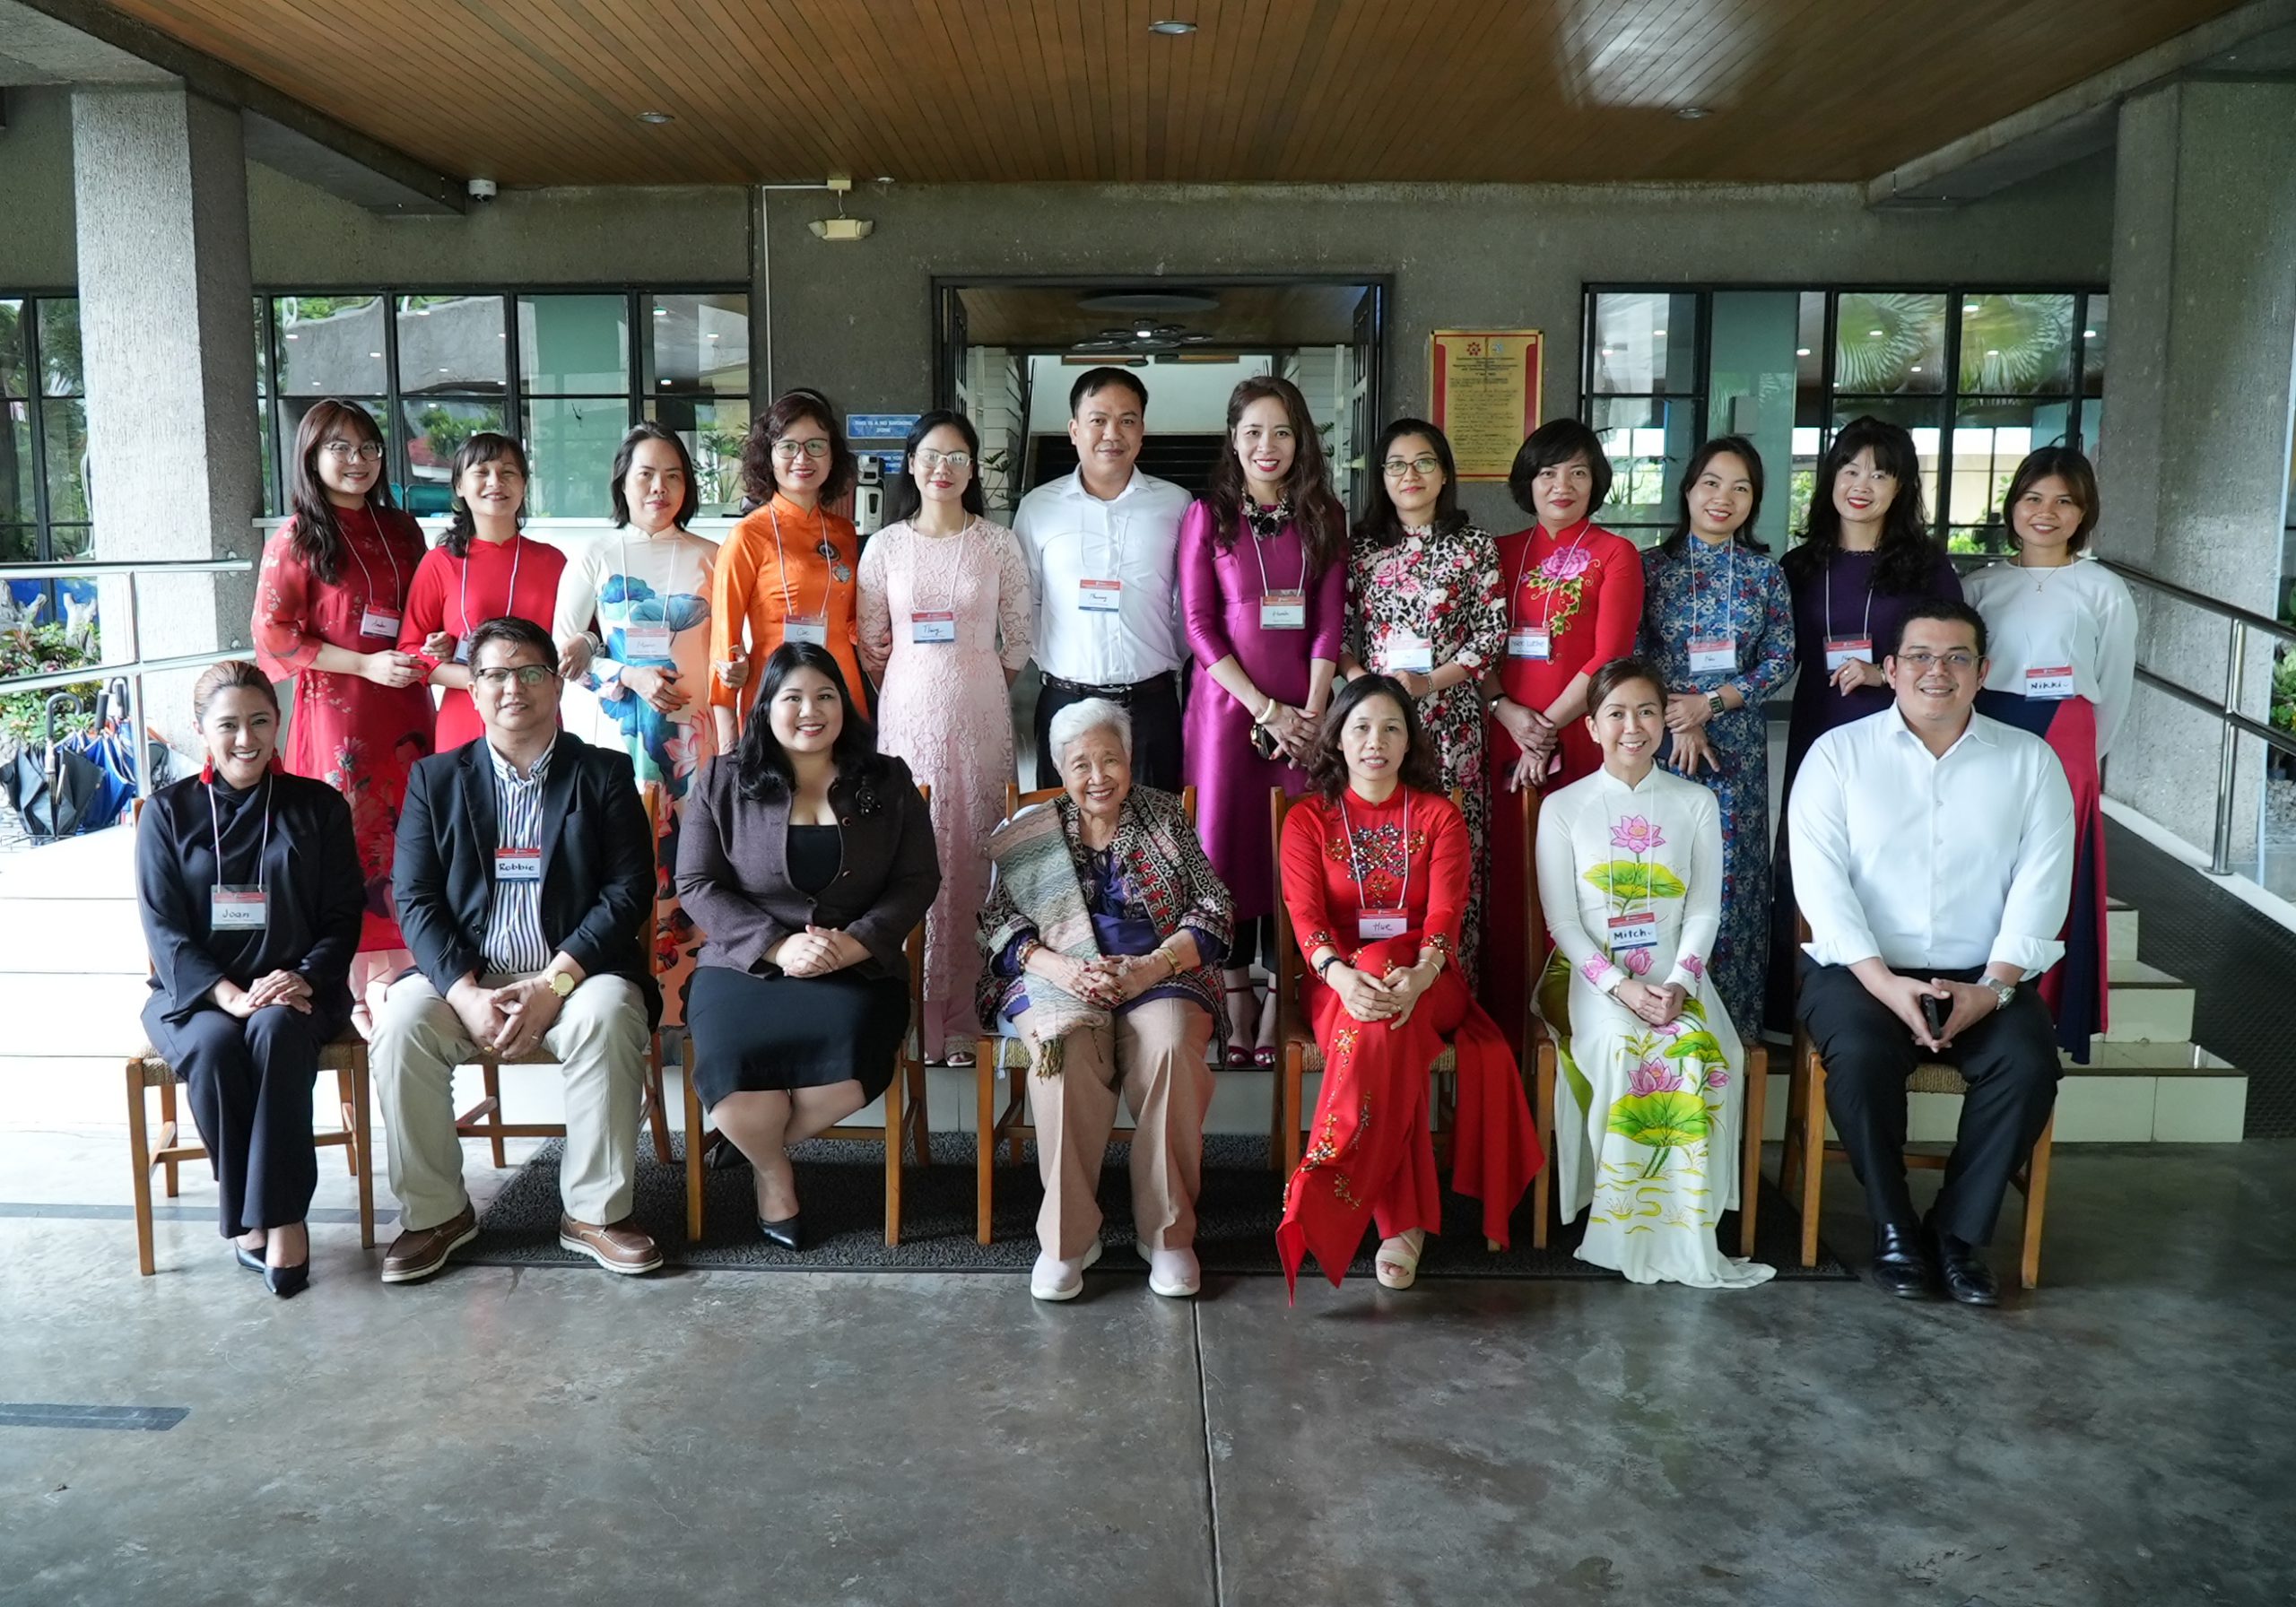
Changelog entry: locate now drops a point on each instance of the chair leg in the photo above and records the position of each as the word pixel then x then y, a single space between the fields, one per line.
pixel 984 1122
pixel 1813 1153
pixel 2036 1201
pixel 351 1153
pixel 1790 1158
pixel 657 1102
pixel 894 1127
pixel 492 1074
pixel 362 1145
pixel 1278 1120
pixel 139 1155
pixel 1289 1076
pixel 919 1124
pixel 171 1129
pixel 1543 1117
pixel 1755 1110
pixel 692 1147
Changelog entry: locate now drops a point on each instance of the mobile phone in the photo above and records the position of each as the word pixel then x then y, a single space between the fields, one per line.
pixel 1263 743
pixel 1933 1011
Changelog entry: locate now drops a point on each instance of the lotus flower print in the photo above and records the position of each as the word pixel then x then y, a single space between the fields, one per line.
pixel 1693 965
pixel 1637 835
pixel 1637 960
pixel 1655 1077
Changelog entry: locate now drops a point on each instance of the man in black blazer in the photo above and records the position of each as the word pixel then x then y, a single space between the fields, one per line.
pixel 523 874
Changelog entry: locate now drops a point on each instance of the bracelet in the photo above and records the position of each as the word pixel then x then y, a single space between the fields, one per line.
pixel 1265 709
pixel 1324 965
pixel 1029 947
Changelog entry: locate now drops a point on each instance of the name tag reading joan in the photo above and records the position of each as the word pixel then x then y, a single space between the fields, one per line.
pixel 379 622
pixel 814 633
pixel 940 625
pixel 237 910
pixel 1403 651
pixel 1531 641
pixel 1372 924
pixel 1841 649
pixel 1283 610
pixel 640 642
pixel 1714 656
pixel 1634 931
pixel 518 864
pixel 1099 596
pixel 2052 682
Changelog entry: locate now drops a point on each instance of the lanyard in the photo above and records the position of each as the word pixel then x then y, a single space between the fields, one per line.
pixel 1355 864
pixel 215 821
pixel 957 575
pixel 1866 629
pixel 1522 573
pixel 366 575
pixel 669 584
pixel 781 561
pixel 1262 566
pixel 1730 584
pixel 510 602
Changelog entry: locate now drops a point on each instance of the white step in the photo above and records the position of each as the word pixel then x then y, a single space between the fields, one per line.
pixel 2148 1005
pixel 2120 931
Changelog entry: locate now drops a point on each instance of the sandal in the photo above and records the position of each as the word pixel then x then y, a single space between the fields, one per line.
pixel 1264 1054
pixel 961 1058
pixel 1396 1265
pixel 1239 1050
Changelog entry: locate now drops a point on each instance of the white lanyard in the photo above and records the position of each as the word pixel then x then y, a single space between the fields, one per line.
pixel 670 581
pixel 1729 583
pixel 955 577
pixel 509 602
pixel 1301 590
pixel 781 560
pixel 1354 864
pixel 366 575
pixel 215 821
pixel 1522 568
pixel 638 639
pixel 1866 629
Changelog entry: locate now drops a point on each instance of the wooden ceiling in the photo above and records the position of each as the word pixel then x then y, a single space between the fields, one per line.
pixel 549 91
pixel 1254 316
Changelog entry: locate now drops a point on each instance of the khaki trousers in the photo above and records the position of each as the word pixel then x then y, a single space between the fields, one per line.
pixel 600 1042
pixel 1157 1049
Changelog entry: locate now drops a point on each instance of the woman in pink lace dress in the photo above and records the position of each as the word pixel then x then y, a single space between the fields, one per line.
pixel 946 615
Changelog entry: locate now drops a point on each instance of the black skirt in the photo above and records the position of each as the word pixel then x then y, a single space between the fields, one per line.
pixel 771 1034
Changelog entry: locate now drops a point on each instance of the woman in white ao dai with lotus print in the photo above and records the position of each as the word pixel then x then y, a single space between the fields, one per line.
pixel 1651 1095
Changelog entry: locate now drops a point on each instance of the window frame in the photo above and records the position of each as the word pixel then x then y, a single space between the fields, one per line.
pixel 36 397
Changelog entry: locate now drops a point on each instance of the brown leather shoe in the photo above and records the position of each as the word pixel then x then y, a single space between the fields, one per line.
pixel 616 1247
pixel 413 1256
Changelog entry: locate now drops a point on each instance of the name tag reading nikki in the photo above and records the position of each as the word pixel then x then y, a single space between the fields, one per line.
pixel 1714 656
pixel 1532 642
pixel 1841 649
pixel 2052 682
pixel 1370 923
pixel 1283 610
pixel 1404 651
pixel 812 633
pixel 1099 596
pixel 940 625
pixel 518 864
pixel 237 910
pixel 1634 931
pixel 379 622
pixel 645 641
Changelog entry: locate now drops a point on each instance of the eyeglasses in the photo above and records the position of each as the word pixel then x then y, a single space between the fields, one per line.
pixel 1921 658
pixel 927 459
pixel 1394 466
pixel 529 675
pixel 791 451
pixel 343 451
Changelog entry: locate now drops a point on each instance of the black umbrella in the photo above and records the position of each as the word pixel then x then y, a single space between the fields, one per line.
pixel 48 783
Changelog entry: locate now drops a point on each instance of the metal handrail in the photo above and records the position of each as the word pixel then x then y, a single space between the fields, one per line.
pixel 2215 606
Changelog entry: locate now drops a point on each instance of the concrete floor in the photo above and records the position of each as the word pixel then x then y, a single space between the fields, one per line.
pixel 559 1436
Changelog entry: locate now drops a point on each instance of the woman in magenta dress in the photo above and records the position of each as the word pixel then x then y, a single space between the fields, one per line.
pixel 484 570
pixel 1574 602
pixel 328 606
pixel 1262 567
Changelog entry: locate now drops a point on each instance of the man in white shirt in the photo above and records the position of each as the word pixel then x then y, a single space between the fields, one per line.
pixel 1103 549
pixel 1933 858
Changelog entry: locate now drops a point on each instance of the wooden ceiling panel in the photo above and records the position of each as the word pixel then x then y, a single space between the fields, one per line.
pixel 548 91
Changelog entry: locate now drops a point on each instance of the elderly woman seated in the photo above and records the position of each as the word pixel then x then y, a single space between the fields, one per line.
pixel 1103 927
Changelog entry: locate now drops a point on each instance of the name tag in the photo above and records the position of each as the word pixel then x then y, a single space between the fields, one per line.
pixel 1715 655
pixel 645 641
pixel 1283 610
pixel 1370 923
pixel 940 626
pixel 1531 642
pixel 814 633
pixel 462 650
pixel 1404 651
pixel 237 910
pixel 1634 931
pixel 1099 596
pixel 2050 681
pixel 379 622
pixel 1841 649
pixel 518 864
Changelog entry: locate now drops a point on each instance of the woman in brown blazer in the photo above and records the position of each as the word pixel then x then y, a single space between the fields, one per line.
pixel 806 857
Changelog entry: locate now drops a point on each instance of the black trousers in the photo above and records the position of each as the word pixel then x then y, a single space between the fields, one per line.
pixel 2009 1060
pixel 1155 706
pixel 250 1097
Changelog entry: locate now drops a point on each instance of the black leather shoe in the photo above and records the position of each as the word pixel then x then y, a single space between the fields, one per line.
pixel 1967 1278
pixel 287 1281
pixel 1901 1264
pixel 788 1232
pixel 250 1259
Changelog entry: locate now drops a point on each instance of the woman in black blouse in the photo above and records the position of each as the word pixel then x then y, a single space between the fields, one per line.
pixel 251 895
pixel 806 857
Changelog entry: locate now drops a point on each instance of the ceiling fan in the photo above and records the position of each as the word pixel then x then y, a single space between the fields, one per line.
pixel 1142 336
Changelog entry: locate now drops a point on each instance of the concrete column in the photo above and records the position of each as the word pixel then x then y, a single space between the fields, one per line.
pixel 2195 454
pixel 167 333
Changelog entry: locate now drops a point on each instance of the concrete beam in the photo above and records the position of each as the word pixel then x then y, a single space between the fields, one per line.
pixel 2072 122
pixel 283 132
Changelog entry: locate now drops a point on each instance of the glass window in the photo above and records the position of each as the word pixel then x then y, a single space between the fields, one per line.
pixel 59 348
pixel 18 505
pixel 330 347
pixel 1648 440
pixel 290 411
pixel 574 345
pixel 1753 385
pixel 19 543
pixel 1922 419
pixel 700 343
pixel 1990 439
pixel 2092 346
pixel 70 541
pixel 434 430
pixel 65 423
pixel 572 441
pixel 13 380
pixel 449 343
pixel 713 433
pixel 1646 343
pixel 1889 343
pixel 2016 345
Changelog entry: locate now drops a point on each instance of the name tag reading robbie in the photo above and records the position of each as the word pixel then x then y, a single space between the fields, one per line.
pixel 518 864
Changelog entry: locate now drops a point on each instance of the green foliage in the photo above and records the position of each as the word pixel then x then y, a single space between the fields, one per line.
pixel 2283 693
pixel 1625 879
pixel 39 651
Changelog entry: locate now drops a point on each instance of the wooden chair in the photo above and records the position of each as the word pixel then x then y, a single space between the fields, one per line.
pixel 999 1055
pixel 484 1119
pixel 1802 1166
pixel 902 1126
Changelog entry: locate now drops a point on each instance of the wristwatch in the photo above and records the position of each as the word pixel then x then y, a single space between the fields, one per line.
pixel 2003 992
pixel 1714 703
pixel 561 983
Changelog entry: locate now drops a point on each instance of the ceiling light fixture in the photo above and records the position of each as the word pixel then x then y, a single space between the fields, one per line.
pixel 656 118
pixel 1171 28
pixel 2087 335
pixel 841 228
pixel 1691 113
pixel 1874 333
pixel 1801 351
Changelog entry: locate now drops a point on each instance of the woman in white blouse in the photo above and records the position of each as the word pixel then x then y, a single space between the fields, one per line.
pixel 1652 1094
pixel 2061 663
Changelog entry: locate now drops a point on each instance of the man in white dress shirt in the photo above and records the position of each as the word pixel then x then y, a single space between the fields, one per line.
pixel 1103 554
pixel 1933 857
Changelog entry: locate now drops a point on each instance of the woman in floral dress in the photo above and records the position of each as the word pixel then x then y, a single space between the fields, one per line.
pixel 1652 1090
pixel 1424 607
pixel 633 627
pixel 1719 623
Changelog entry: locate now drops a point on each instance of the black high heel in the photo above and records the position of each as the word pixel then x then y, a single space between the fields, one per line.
pixel 250 1259
pixel 788 1232
pixel 288 1281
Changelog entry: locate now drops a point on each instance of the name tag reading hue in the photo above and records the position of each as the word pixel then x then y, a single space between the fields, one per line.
pixel 1530 642
pixel 1715 655
pixel 379 622
pixel 2050 681
pixel 645 641
pixel 1404 651
pixel 518 864
pixel 1634 931
pixel 937 626
pixel 1841 649
pixel 1370 923
pixel 1283 610
pixel 1099 596
pixel 814 633
pixel 237 910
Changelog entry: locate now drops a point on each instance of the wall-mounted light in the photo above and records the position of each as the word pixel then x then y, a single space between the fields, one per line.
pixel 841 228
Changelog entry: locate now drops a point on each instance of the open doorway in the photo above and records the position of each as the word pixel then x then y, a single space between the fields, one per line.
pixel 1006 351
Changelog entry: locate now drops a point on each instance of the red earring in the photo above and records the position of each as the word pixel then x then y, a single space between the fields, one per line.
pixel 207 774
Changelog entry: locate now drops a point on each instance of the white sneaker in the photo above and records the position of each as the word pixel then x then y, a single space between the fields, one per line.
pixel 1053 1279
pixel 1172 1273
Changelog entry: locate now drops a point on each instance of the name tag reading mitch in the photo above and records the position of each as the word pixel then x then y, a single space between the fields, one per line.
pixel 1841 649
pixel 814 633
pixel 1714 656
pixel 645 641
pixel 939 625
pixel 379 622
pixel 2052 682
pixel 1099 596
pixel 518 864
pixel 237 910
pixel 1371 924
pixel 1404 651
pixel 1634 931
pixel 1530 642
pixel 1283 610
